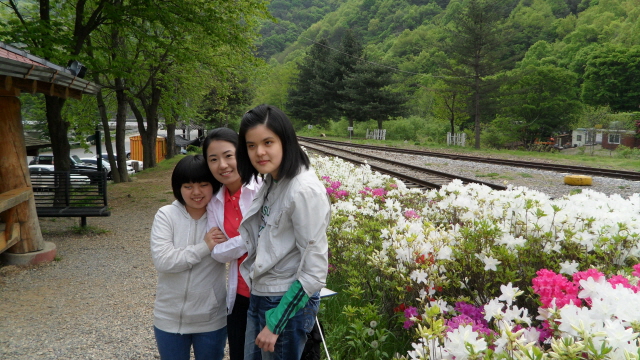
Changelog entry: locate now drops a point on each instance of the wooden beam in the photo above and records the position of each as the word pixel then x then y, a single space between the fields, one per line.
pixel 11 92
pixel 14 197
pixel 7 83
pixel 8 238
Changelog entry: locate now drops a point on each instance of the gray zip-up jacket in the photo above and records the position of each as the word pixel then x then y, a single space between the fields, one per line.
pixel 293 245
pixel 191 290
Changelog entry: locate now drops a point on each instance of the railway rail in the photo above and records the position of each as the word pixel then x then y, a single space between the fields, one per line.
pixel 582 170
pixel 413 176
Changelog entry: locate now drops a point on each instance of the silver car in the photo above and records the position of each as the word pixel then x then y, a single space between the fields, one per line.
pixel 42 176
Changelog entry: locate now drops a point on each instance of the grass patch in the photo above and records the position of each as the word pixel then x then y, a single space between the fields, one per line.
pixel 489 175
pixel 525 175
pixel 575 192
pixel 506 177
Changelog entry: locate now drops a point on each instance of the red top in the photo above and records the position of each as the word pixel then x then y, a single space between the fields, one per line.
pixel 232 220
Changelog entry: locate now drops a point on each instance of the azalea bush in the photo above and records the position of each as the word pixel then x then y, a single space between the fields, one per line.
pixel 469 272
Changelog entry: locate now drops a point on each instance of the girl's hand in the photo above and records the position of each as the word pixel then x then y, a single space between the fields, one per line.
pixel 266 340
pixel 218 235
pixel 214 237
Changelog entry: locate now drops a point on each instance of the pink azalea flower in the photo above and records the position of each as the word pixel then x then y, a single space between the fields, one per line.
pixel 551 286
pixel 411 214
pixel 619 280
pixel 584 275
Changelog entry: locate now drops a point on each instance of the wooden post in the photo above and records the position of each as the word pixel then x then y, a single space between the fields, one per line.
pixel 14 171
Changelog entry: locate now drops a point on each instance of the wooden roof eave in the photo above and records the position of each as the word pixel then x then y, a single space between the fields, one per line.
pixel 33 78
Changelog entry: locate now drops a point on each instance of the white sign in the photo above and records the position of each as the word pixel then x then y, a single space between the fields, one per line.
pixel 350 128
pixel 309 127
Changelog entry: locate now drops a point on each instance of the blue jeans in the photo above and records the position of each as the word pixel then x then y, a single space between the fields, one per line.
pixel 206 346
pixel 291 342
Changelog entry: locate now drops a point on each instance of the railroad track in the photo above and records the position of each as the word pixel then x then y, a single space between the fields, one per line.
pixel 582 170
pixel 412 176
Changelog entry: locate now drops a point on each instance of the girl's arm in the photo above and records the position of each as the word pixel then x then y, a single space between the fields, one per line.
pixel 229 250
pixel 168 258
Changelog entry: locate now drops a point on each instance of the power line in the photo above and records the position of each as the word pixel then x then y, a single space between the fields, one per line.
pixel 372 62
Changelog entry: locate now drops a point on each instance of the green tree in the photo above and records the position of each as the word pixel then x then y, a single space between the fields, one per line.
pixel 476 50
pixel 542 100
pixel 344 62
pixel 611 78
pixel 367 96
pixel 311 97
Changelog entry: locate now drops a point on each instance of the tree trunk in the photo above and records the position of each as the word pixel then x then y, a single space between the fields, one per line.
pixel 380 124
pixel 121 123
pixel 102 108
pixel 151 111
pixel 171 139
pixel 476 105
pixel 58 129
pixel 14 174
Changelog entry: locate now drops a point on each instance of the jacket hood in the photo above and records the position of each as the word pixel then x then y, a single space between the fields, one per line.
pixel 183 209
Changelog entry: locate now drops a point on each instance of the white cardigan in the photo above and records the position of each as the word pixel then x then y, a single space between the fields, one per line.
pixel 232 249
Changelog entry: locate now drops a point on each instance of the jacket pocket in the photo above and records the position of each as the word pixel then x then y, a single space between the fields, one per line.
pixel 200 306
pixel 168 303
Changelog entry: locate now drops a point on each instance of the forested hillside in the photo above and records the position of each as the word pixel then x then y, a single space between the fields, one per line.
pixel 509 70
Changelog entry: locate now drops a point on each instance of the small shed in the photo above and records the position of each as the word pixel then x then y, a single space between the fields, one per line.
pixel 22 72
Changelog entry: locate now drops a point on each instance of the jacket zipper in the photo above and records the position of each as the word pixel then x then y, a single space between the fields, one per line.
pixel 186 290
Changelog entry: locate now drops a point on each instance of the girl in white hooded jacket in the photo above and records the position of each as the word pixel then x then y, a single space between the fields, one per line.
pixel 190 306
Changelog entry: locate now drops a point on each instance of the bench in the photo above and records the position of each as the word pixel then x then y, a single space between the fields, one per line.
pixel 9 232
pixel 75 193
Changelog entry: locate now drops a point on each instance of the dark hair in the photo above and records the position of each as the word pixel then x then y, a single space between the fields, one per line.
pixel 222 134
pixel 293 157
pixel 190 169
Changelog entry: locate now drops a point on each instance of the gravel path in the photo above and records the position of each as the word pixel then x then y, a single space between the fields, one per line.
pixel 96 301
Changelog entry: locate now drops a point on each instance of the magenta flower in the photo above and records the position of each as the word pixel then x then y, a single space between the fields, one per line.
pixel 411 214
pixel 584 275
pixel 636 269
pixel 619 280
pixel 379 192
pixel 410 312
pixel 551 286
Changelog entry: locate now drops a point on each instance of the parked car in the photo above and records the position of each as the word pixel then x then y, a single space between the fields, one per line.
pixel 42 176
pixel 136 168
pixel 75 165
pixel 106 165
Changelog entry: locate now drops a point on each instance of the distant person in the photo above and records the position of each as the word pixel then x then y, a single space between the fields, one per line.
pixel 190 307
pixel 285 234
pixel 225 212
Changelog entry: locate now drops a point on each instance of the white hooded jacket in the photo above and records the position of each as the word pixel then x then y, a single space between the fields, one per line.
pixel 191 291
